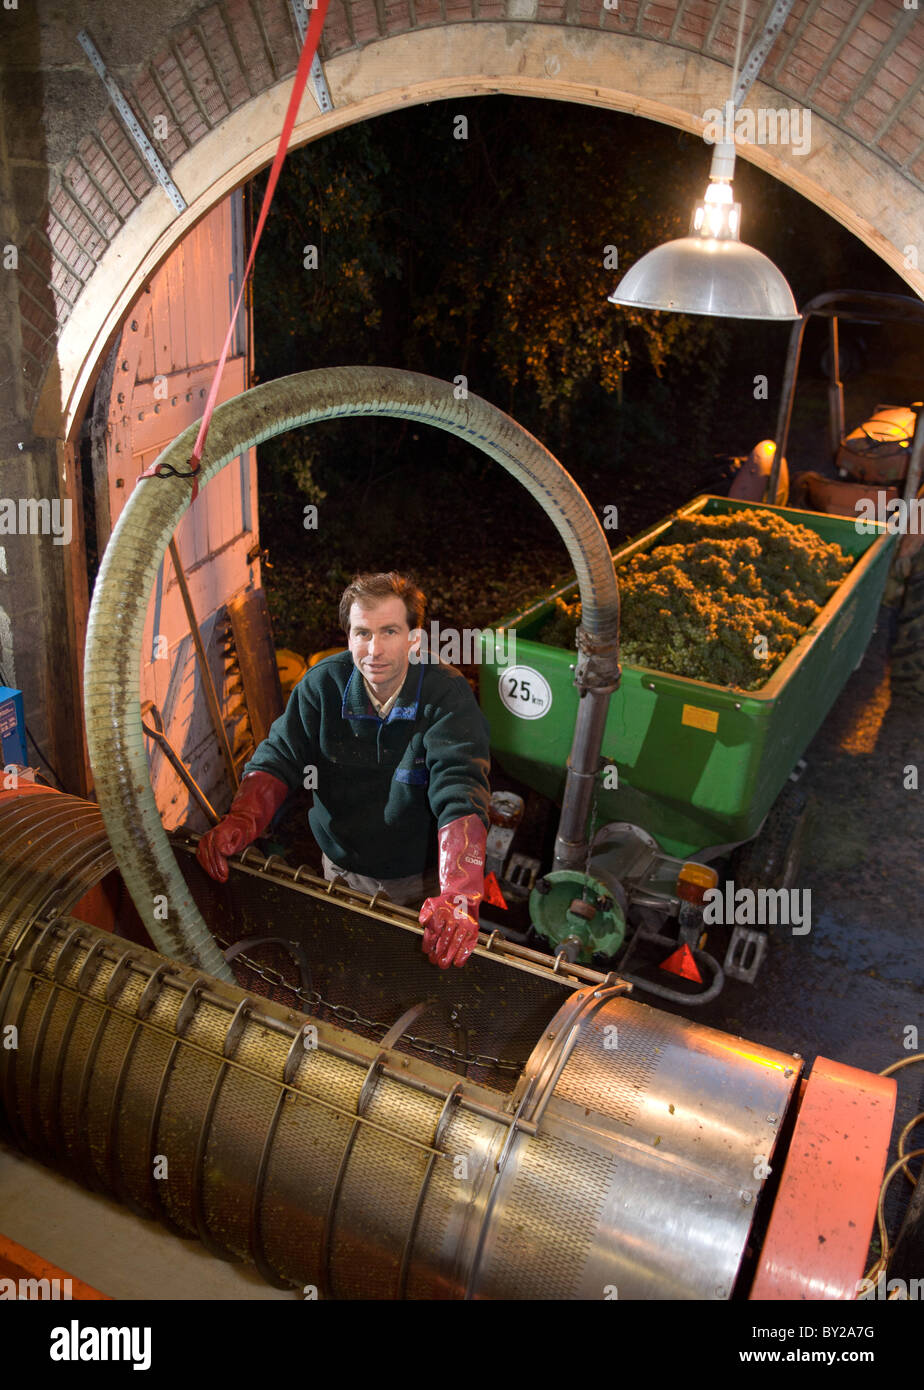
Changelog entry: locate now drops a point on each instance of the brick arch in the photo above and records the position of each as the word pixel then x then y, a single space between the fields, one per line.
pixel 221 74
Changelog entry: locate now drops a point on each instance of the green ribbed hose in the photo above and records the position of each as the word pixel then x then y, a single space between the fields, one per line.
pixel 149 520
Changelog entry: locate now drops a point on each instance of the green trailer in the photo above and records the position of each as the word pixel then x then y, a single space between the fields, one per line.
pixel 688 769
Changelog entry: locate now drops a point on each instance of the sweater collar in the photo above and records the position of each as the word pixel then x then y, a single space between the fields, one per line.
pixel 357 705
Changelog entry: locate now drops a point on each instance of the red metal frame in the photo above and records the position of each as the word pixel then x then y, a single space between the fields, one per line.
pixel 817 1240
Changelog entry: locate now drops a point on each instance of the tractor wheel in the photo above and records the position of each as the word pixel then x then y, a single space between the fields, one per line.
pixel 774 859
pixel 908 646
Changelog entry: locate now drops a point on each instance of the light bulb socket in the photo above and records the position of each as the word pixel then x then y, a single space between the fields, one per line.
pixel 723 160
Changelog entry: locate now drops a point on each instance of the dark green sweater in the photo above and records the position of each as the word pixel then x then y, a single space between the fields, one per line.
pixel 384 786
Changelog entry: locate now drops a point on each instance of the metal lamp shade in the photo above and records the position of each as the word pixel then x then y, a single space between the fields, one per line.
pixel 704 275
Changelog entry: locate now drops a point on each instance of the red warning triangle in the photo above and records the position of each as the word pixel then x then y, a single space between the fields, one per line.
pixel 683 963
pixel 492 891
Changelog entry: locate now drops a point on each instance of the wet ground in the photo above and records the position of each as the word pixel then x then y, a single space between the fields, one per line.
pixel 852 989
pixel 854 984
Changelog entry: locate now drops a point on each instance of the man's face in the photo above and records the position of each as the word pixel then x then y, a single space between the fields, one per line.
pixel 381 642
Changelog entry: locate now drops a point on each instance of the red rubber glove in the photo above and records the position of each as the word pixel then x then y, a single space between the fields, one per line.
pixel 256 801
pixel 450 921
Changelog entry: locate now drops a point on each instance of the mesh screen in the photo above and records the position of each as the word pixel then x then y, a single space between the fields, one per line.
pixel 197 1128
pixel 592 1076
pixel 551 1213
pixel 369 964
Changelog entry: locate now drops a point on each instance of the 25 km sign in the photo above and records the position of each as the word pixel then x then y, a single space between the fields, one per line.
pixel 525 692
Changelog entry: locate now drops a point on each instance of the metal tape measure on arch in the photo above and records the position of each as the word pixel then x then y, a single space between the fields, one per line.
pixel 524 691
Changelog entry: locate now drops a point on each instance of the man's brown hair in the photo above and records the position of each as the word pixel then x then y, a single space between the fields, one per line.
pixel 372 588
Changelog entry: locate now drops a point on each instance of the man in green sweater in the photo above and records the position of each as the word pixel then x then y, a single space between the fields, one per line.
pixel 400 755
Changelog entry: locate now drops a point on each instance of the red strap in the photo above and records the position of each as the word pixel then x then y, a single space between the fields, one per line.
pixel 312 38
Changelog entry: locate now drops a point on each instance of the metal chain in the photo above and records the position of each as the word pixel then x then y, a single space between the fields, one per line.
pixel 314 1000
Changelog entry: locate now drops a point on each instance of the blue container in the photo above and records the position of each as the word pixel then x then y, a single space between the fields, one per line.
pixel 12 727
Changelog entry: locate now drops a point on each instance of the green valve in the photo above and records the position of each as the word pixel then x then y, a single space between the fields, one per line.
pixel 570 906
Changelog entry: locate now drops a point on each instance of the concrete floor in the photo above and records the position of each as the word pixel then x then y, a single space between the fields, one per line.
pixel 105 1245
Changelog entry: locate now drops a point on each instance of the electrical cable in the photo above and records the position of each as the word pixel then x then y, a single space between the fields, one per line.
pixel 878 1268
pixel 905 1062
pixel 918 1119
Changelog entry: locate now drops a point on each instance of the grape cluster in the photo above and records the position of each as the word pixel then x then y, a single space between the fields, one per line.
pixel 723 601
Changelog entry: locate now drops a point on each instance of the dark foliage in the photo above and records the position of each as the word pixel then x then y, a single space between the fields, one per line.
pixel 486 258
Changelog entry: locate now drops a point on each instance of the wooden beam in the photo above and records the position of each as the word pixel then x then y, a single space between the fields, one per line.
pixel 256 657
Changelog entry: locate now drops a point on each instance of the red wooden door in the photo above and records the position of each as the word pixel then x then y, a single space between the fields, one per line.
pixel 155 384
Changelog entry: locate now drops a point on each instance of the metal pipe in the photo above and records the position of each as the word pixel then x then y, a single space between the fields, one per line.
pixel 790 371
pixel 916 462
pixel 762 46
pixel 304 880
pixel 835 390
pixel 674 995
pixel 901 562
pixel 176 762
pixel 573 838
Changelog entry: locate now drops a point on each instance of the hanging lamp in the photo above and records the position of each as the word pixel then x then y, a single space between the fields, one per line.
pixel 711 271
